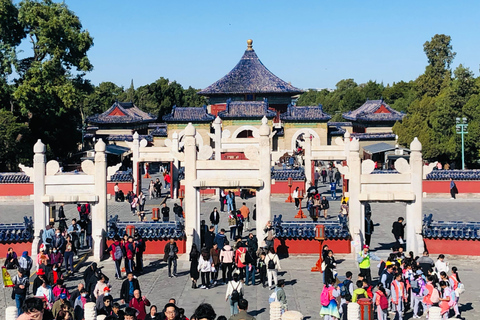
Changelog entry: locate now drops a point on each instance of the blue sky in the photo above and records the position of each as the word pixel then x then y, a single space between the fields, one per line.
pixel 312 44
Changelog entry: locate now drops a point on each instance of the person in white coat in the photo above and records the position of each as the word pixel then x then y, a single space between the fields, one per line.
pixel 234 285
pixel 441 264
pixel 205 267
pixel 273 265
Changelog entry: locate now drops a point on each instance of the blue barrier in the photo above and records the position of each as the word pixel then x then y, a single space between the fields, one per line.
pixel 450 229
pixel 14 232
pixel 334 229
pixel 147 230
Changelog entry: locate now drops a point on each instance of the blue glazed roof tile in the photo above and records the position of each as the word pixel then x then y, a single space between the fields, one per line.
pixel 160 131
pixel 122 112
pixel 127 137
pixel 373 136
pixel 367 112
pixel 249 76
pixel 308 113
pixel 187 114
pixel 247 109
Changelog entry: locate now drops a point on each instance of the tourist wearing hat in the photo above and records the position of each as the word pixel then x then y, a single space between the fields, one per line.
pixel 60 303
pixel 20 288
pixel 39 279
pixel 418 291
pixel 106 294
pixel 363 260
pixel 60 289
pixel 281 296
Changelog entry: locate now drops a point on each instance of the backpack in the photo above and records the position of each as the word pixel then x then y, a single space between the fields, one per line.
pixel 118 254
pixel 271 263
pixel 383 302
pixel 129 252
pixel 273 297
pixel 415 287
pixel 242 257
pixel 325 297
pixel 240 221
pixel 236 296
pixel 460 289
pixel 345 291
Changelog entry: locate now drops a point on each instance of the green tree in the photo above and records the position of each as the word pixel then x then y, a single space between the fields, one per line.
pixel 13 147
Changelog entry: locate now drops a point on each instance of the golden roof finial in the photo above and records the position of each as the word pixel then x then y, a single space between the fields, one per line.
pixel 249 44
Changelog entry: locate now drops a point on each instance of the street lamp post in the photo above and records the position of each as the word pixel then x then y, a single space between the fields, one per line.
pixel 461 126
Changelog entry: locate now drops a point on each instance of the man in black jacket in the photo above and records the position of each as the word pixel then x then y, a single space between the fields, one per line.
pixel 165 213
pixel 20 288
pixel 170 256
pixel 128 287
pixel 209 237
pixel 398 230
pixel 215 219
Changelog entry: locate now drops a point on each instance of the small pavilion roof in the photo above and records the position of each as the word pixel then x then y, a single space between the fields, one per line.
pixel 246 109
pixel 374 111
pixel 122 112
pixel 249 76
pixel 189 114
pixel 305 113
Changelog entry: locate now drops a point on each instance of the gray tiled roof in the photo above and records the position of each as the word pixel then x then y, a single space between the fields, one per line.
pixel 247 109
pixel 250 76
pixel 132 114
pixel 367 112
pixel 373 136
pixel 187 114
pixel 307 113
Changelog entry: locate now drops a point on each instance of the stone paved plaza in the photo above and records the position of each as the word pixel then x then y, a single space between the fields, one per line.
pixel 303 287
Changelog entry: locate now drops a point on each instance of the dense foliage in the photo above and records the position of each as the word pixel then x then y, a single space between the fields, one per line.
pixel 431 102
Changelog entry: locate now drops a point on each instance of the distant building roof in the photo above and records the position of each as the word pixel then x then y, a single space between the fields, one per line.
pixel 127 137
pixel 122 112
pixel 374 111
pixel 187 114
pixel 308 113
pixel 249 76
pixel 246 109
pixel 378 148
pixel 160 130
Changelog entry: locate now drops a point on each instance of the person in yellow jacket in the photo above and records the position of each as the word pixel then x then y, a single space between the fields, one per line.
pixel 363 260
pixel 359 292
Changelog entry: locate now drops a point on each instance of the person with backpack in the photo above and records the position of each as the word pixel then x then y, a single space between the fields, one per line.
pixel 240 223
pixel 262 269
pixel 130 254
pixel 417 286
pixel 447 299
pixel 381 302
pixel 368 288
pixel 359 292
pixel 329 310
pixel 458 288
pixel 234 293
pixel 346 291
pixel 240 258
pixel 432 295
pixel 279 295
pixel 399 296
pixel 273 265
pixel 232 223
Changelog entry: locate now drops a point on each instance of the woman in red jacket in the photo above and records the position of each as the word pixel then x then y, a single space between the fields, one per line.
pixel 139 303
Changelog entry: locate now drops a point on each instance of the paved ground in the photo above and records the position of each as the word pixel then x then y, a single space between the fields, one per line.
pixel 303 293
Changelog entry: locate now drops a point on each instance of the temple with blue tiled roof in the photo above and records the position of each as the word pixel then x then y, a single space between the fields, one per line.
pixel 250 80
pixel 118 123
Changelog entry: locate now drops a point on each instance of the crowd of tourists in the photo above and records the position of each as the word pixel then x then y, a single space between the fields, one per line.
pixel 405 283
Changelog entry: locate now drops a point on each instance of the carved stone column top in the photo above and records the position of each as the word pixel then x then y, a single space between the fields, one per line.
pixel 190 130
pixel 100 146
pixel 354 145
pixel 416 145
pixel 39 147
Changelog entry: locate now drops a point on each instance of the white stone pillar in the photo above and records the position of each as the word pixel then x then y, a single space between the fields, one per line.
pixel 11 313
pixel 414 209
pixel 176 165
pixel 308 160
pixel 263 194
pixel 99 214
pixel 346 140
pixel 89 311
pixel 353 311
pixel 275 310
pixel 39 208
pixel 192 217
pixel 135 156
pixel 355 210
pixel 217 126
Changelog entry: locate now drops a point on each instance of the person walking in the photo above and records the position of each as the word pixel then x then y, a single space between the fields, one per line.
pixel 398 230
pixel 273 265
pixel 25 263
pixel 158 188
pixel 62 219
pixel 324 175
pixel 295 197
pixel 226 260
pixel 330 266
pixel 381 302
pixel 333 190
pixel 329 310
pixel 215 255
pixel 325 205
pixel 223 200
pixel 193 258
pixel 220 239
pixel 242 311
pixel 140 248
pixel 205 264
pixel 280 295
pixel 453 188
pixel 129 254
pixel 399 296
pixel 458 288
pixel 215 219
pixel 368 228
pixel 139 303
pixel 232 223
pixel 20 289
pixel 338 177
pixel 151 190
pixel 316 177
pixel 240 223
pixel 363 260
pixel 234 293
pixel 240 258
pixel 128 288
pixel 170 256
pixel 269 235
pixel 246 216
pixel 165 213
pixel 229 198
